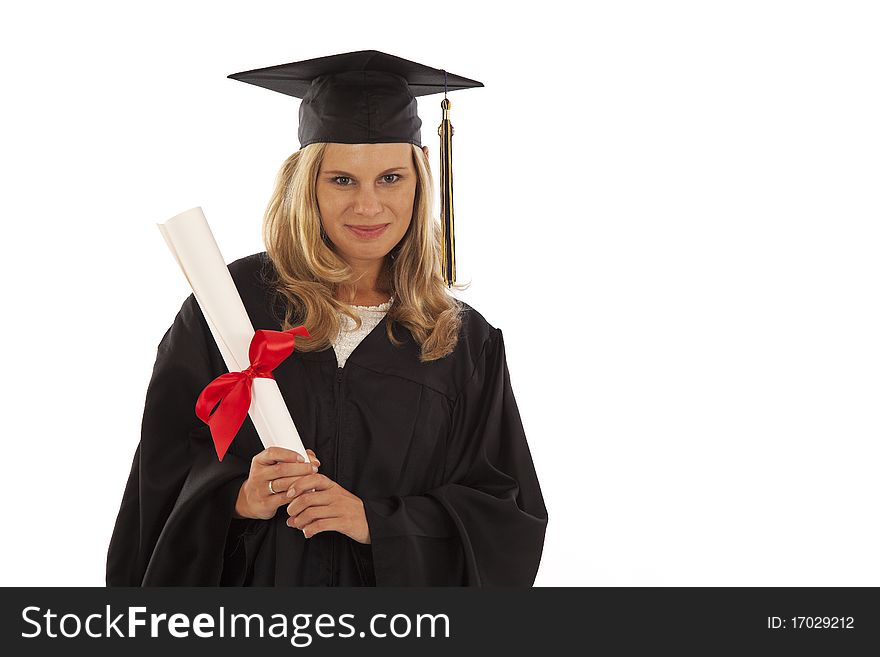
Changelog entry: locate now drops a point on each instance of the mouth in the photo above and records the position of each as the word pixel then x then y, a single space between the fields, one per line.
pixel 367 232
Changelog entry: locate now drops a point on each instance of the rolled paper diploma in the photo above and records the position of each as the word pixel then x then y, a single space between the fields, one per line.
pixel 193 245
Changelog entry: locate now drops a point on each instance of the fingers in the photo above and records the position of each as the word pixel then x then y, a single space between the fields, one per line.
pixel 274 454
pixel 309 482
pixel 312 515
pixel 281 486
pixel 308 499
pixel 278 455
pixel 280 470
pixel 337 524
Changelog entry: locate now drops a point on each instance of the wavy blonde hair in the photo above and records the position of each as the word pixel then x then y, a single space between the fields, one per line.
pixel 310 273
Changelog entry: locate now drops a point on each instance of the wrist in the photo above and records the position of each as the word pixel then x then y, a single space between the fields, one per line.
pixel 240 510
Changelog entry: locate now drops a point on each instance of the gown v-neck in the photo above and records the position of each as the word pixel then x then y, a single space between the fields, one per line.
pixel 350 338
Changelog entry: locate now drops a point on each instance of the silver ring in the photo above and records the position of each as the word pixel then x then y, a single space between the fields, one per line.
pixel 271 490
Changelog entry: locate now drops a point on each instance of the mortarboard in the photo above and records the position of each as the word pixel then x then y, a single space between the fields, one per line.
pixel 369 97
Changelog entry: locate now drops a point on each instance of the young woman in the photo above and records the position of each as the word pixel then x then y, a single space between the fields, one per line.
pixel 419 472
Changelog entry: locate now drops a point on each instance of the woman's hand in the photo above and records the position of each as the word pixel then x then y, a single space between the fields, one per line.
pixel 283 467
pixel 320 504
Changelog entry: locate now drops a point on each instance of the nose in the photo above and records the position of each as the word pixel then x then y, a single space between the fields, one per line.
pixel 366 202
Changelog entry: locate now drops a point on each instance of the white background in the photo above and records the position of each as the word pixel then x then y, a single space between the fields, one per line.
pixel 670 209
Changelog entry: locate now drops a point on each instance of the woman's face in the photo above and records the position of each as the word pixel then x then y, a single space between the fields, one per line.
pixel 365 195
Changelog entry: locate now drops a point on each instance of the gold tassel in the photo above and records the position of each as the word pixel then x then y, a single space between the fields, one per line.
pixel 446 215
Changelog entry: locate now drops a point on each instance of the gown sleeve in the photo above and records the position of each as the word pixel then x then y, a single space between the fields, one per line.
pixel 175 523
pixel 485 525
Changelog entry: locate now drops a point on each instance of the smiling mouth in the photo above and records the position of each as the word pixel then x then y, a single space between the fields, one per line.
pixel 367 231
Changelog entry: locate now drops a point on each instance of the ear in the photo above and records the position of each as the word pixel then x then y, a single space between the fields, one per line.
pixel 425 148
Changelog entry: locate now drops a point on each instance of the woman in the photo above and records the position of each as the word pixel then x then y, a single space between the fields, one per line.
pixel 419 469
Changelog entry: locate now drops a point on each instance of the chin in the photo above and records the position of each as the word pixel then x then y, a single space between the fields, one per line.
pixel 360 250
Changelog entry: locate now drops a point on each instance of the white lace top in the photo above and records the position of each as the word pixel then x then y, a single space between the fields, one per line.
pixel 349 338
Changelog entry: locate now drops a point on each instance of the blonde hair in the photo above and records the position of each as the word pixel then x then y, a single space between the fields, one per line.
pixel 310 273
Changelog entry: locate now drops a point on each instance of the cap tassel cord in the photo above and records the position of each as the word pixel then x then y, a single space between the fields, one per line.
pixel 445 130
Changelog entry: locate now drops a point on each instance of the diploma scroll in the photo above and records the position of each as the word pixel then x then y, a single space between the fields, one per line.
pixel 193 245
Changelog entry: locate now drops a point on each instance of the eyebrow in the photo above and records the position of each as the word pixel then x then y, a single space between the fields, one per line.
pixel 351 175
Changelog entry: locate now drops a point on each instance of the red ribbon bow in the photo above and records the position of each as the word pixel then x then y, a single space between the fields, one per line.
pixel 232 391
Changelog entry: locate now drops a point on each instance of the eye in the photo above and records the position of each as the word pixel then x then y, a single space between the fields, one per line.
pixel 336 180
pixel 396 177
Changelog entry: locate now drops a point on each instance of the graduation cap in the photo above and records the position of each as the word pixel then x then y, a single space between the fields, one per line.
pixel 369 97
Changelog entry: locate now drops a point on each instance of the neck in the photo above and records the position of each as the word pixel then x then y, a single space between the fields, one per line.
pixel 370 284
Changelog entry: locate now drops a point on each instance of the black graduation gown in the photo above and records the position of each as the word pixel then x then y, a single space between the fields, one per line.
pixel 436 451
